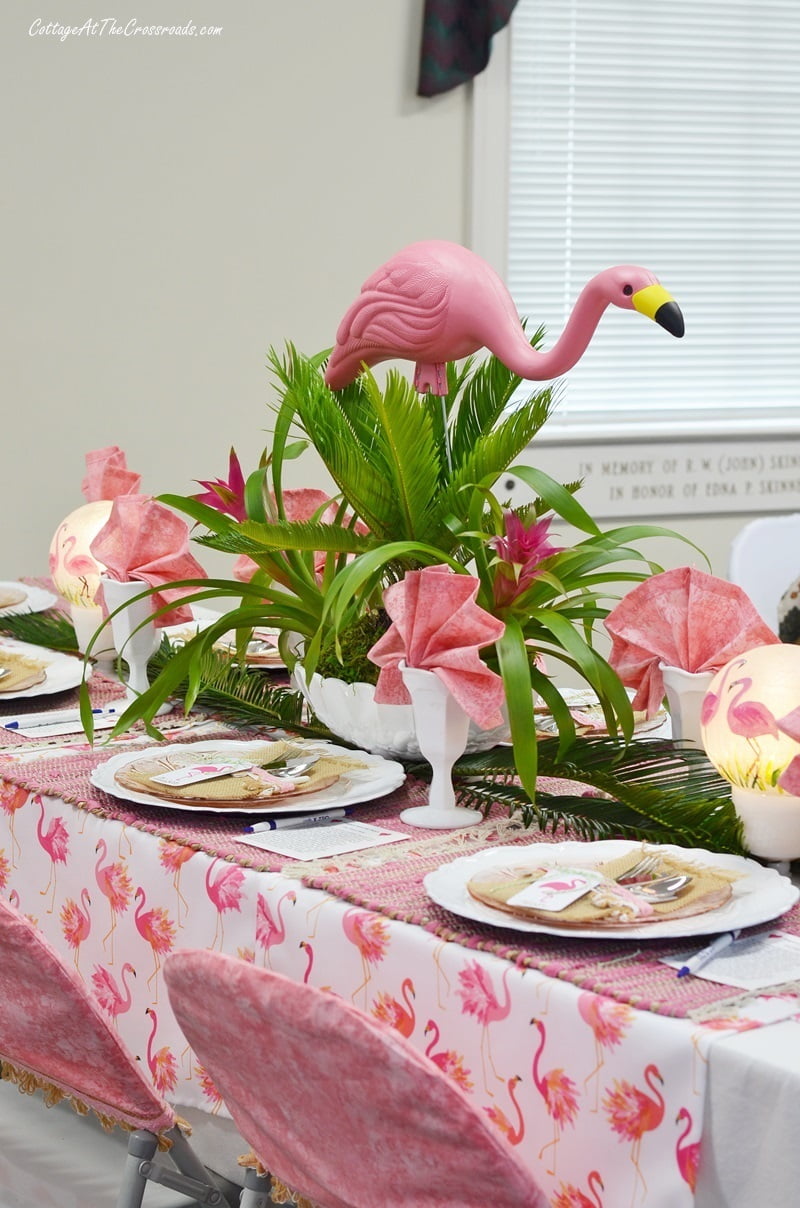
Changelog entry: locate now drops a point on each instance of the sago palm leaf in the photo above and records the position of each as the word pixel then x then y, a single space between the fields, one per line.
pixel 656 790
pixel 241 696
pixel 406 451
pixel 51 629
pixel 485 390
pixel 252 538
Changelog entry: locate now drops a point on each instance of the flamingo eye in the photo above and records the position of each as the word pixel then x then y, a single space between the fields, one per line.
pixel 627 290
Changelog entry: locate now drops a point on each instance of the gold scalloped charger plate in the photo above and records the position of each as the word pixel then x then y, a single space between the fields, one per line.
pixel 759 894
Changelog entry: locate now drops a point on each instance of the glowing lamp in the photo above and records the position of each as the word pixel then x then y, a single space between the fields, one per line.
pixel 76 572
pixel 751 733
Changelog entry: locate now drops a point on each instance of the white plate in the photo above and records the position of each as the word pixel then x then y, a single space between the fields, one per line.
pixel 378 778
pixel 36 599
pixel 62 670
pixel 203 617
pixel 584 700
pixel 759 895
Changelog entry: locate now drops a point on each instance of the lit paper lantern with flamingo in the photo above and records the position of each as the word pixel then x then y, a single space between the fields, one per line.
pixel 76 572
pixel 751 732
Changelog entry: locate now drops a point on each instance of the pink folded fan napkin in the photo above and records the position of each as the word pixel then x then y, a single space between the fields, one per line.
pixel 143 540
pixel 107 475
pixel 437 626
pixel 684 618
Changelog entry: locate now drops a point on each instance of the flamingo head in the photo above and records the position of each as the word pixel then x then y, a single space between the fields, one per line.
pixel 634 288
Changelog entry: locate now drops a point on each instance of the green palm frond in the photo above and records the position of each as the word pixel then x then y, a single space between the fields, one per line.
pixel 407 453
pixel 252 538
pixel 482 394
pixel 51 629
pixel 493 451
pixel 655 790
pixel 242 696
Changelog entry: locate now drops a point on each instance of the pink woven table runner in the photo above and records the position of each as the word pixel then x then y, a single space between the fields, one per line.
pixel 389 880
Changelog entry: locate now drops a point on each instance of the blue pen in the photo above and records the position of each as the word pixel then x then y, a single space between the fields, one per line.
pixel 297 823
pixel 708 953
pixel 53 717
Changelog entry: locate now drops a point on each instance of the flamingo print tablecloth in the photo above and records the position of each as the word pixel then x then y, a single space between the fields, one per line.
pixel 604 1101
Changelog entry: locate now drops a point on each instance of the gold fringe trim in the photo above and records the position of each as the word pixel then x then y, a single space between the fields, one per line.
pixel 279 1193
pixel 250 1160
pixel 28 1084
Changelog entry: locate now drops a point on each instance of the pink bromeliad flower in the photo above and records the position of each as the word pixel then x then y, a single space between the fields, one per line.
pixel 520 553
pixel 304 503
pixel 227 497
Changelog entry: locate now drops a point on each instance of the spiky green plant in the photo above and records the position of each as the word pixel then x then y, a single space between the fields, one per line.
pixel 416 477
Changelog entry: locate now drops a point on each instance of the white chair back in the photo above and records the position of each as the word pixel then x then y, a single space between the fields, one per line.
pixel 765 561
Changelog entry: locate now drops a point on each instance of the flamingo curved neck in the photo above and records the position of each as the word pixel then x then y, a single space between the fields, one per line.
pixel 513 349
pixel 649 1075
pixel 515 1135
pixel 538 1081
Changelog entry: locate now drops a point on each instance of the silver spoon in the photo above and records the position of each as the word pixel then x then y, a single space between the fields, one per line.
pixel 296 767
pixel 661 889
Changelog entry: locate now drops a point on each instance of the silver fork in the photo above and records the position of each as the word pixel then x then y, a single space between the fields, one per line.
pixel 645 865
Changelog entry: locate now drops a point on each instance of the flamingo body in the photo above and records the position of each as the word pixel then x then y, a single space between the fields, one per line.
pixel 108 993
pixel 436 301
pixel 749 718
pixel 687 1153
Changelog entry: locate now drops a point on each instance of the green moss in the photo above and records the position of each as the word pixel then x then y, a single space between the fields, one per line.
pixel 354 666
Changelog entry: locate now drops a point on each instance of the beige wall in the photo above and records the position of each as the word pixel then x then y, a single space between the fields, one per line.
pixel 172 207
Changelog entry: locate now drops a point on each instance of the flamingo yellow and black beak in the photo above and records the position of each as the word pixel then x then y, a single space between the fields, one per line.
pixel 657 304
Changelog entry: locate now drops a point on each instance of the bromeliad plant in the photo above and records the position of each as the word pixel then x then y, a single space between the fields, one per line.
pixel 417 478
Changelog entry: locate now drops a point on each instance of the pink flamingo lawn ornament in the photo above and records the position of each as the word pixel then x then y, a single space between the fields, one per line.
pixel 436 301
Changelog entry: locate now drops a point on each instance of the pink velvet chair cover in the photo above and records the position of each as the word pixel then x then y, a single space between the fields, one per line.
pixel 336 1104
pixel 54 1033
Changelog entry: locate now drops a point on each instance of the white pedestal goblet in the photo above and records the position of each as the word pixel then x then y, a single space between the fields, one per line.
pixel 441 726
pixel 133 644
pixel 685 691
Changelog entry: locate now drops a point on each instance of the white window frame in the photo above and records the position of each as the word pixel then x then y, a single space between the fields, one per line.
pixel 488 224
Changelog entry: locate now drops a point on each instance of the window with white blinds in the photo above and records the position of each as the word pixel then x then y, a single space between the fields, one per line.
pixel 665 135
